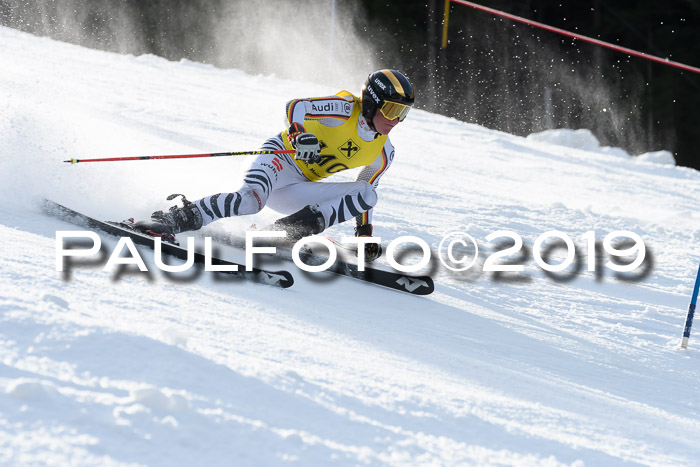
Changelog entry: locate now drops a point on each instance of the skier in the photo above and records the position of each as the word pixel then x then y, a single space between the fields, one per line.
pixel 329 135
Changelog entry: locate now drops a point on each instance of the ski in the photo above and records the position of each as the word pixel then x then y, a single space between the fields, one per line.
pixel 283 279
pixel 415 285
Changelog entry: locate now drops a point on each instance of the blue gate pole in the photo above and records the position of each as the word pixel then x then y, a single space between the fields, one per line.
pixel 691 312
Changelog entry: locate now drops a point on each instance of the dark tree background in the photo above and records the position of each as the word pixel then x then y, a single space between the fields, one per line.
pixel 519 79
pixel 494 72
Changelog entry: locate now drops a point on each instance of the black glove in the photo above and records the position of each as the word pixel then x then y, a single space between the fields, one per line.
pixel 306 144
pixel 372 250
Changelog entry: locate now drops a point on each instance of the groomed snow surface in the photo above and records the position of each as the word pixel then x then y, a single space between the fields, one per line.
pixel 521 370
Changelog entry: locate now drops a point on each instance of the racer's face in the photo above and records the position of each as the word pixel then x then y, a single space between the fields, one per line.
pixel 382 124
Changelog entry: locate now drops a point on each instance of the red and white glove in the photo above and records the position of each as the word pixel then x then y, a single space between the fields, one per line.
pixel 372 250
pixel 295 129
pixel 307 146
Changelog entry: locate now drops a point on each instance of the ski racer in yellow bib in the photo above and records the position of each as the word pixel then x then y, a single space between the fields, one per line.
pixel 329 135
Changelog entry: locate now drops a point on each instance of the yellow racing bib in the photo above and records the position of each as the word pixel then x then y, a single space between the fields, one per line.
pixel 341 146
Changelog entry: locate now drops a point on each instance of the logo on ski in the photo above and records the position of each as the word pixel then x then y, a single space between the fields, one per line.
pixel 270 278
pixel 411 284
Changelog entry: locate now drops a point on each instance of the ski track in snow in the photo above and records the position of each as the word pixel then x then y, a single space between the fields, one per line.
pixel 141 370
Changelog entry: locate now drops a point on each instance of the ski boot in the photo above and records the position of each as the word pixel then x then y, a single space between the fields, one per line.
pixel 305 222
pixel 175 220
pixel 372 250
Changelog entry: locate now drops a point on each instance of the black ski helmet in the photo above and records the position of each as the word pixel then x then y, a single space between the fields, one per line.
pixel 383 88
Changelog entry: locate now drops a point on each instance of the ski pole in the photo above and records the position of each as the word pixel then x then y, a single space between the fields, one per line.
pixel 691 313
pixel 183 156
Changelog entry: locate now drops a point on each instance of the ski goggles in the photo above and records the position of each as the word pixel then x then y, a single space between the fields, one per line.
pixel 394 110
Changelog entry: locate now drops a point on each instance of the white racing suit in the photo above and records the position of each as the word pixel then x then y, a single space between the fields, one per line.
pixel 288 185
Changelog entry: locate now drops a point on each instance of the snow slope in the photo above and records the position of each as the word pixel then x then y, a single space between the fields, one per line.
pixel 104 370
